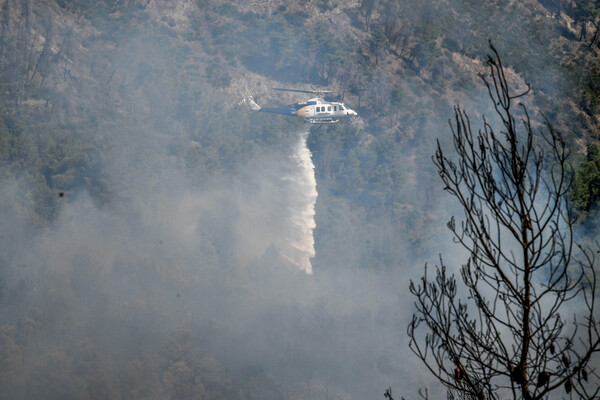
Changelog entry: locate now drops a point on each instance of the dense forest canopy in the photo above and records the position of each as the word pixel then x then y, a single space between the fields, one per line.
pixel 140 204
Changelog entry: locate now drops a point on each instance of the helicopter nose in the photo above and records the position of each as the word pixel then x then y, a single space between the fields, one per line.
pixel 351 112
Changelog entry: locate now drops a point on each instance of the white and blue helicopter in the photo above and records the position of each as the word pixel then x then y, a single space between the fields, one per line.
pixel 316 110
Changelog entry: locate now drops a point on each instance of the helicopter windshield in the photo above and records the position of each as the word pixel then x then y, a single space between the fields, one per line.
pixel 342 107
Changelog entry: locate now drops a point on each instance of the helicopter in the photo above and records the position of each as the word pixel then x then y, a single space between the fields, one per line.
pixel 316 110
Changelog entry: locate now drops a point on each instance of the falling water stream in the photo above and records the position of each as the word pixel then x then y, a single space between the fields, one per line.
pixel 298 183
pixel 275 208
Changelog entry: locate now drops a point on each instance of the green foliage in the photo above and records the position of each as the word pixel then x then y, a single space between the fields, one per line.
pixel 588 8
pixel 369 177
pixel 585 191
pixel 297 18
pixel 590 93
pixel 228 10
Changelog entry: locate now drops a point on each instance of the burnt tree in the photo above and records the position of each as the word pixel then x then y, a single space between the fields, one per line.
pixel 523 324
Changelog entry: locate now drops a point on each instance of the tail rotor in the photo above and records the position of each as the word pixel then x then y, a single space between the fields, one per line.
pixel 249 102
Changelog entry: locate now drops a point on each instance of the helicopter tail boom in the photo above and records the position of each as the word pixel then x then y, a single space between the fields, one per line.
pixel 276 110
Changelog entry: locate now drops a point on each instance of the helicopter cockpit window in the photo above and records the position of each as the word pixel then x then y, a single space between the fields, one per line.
pixel 342 107
pixel 334 108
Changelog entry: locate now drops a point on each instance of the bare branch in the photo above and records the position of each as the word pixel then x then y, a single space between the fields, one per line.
pixel 508 337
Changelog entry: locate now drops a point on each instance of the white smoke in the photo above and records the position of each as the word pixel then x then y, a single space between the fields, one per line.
pixel 273 200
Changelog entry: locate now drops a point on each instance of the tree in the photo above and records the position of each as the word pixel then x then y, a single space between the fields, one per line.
pixel 588 11
pixel 511 332
pixel 585 192
pixel 367 7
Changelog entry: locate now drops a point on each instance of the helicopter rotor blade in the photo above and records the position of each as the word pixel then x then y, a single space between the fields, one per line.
pixel 303 91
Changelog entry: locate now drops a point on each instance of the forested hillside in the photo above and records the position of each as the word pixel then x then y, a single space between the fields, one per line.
pixel 140 203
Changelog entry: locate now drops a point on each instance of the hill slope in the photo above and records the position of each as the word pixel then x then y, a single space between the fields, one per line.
pixel 139 200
